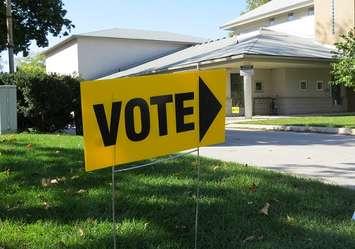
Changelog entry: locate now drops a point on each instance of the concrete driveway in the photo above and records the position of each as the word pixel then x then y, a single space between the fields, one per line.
pixel 330 158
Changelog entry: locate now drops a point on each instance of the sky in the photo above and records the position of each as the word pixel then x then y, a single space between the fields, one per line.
pixel 191 17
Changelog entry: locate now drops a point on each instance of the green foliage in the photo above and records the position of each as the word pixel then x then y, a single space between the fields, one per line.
pixel 45 102
pixel 34 20
pixel 33 64
pixel 343 70
pixel 252 4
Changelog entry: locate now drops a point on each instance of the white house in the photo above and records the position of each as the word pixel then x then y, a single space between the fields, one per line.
pixel 97 54
pixel 278 61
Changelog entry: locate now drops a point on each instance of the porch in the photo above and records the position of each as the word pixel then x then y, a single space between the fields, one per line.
pixel 268 88
pixel 269 73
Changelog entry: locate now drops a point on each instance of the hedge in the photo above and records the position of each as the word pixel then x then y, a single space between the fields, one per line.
pixel 45 102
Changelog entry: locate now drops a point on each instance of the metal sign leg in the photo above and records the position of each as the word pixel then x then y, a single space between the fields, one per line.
pixel 114 171
pixel 113 209
pixel 197 195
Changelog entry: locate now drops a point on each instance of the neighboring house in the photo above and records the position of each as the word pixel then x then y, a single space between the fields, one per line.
pixel 278 61
pixel 97 54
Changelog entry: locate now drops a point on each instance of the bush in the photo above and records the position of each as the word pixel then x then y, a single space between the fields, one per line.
pixel 31 64
pixel 45 102
pixel 343 69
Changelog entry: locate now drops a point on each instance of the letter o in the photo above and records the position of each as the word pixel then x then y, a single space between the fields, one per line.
pixel 129 119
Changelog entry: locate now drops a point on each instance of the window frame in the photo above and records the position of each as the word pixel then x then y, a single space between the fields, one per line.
pixel 300 84
pixel 272 21
pixel 310 11
pixel 262 86
pixel 323 85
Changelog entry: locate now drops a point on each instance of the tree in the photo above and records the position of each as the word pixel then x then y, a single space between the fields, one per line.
pixel 343 70
pixel 34 64
pixel 34 20
pixel 252 4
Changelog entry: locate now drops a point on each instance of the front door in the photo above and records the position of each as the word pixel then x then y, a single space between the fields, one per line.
pixel 237 94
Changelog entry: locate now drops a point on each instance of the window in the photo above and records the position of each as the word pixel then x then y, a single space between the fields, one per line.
pixel 259 86
pixel 290 16
pixel 311 11
pixel 303 85
pixel 272 21
pixel 319 85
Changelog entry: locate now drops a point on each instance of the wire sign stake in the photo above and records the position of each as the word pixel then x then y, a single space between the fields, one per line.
pixel 175 112
pixel 197 195
pixel 114 230
pixel 139 166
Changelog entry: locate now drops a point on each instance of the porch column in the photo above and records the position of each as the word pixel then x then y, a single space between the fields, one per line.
pixel 247 72
pixel 228 95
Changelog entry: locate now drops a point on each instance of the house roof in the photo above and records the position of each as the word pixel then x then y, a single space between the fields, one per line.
pixel 271 8
pixel 138 34
pixel 134 34
pixel 263 42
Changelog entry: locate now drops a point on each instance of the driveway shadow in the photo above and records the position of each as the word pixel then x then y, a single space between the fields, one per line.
pixel 254 138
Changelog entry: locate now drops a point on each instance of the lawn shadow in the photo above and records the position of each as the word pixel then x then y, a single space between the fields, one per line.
pixel 303 213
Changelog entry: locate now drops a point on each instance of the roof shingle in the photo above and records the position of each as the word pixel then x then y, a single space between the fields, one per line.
pixel 263 42
pixel 140 34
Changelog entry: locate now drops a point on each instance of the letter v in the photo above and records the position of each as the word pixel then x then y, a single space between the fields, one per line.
pixel 109 136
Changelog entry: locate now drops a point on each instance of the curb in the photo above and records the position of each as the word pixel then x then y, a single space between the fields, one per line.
pixel 313 129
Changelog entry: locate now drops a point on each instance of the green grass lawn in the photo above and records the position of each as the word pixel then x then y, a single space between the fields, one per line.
pixel 321 121
pixel 155 205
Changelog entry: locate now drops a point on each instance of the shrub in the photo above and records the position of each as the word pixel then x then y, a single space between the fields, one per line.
pixel 31 64
pixel 343 69
pixel 45 102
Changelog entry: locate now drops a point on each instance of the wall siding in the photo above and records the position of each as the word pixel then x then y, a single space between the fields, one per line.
pixel 344 19
pixel 64 61
pixel 99 57
pixel 292 100
pixel 302 24
pixel 307 105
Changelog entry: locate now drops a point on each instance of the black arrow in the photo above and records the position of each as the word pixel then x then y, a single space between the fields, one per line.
pixel 209 107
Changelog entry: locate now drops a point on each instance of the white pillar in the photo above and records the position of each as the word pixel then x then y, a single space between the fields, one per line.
pixel 247 72
pixel 228 95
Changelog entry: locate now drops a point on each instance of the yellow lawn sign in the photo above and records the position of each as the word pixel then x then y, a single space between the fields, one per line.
pixel 136 118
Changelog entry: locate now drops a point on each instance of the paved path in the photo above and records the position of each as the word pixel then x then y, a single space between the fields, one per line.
pixel 330 158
